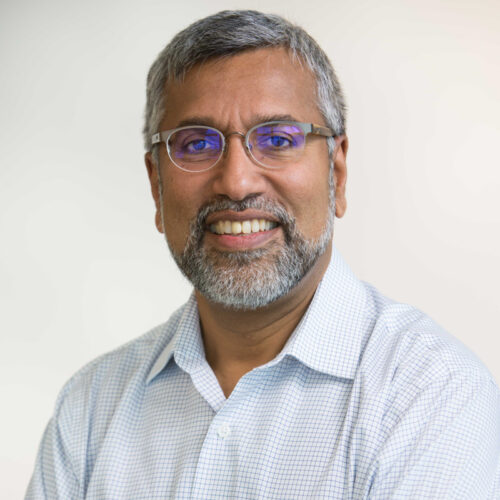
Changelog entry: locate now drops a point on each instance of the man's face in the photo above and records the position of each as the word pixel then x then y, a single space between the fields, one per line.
pixel 232 95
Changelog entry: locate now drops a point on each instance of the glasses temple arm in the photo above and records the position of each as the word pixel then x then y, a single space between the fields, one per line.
pixel 320 130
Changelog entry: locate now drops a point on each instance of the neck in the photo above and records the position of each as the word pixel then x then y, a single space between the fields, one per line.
pixel 236 341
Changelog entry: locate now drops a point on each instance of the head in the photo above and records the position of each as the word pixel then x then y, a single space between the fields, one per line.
pixel 234 54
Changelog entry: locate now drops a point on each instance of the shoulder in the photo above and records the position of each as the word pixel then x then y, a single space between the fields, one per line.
pixel 428 407
pixel 92 397
pixel 111 373
pixel 412 370
pixel 409 347
pixel 416 379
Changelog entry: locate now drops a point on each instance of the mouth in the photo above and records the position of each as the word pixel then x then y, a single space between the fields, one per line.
pixel 246 226
pixel 230 230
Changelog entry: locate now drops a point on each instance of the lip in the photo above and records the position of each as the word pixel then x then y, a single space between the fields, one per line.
pixel 239 216
pixel 231 242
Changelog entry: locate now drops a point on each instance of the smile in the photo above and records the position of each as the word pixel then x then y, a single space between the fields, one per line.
pixel 242 227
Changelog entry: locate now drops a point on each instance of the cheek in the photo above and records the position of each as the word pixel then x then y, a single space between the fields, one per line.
pixel 180 205
pixel 307 193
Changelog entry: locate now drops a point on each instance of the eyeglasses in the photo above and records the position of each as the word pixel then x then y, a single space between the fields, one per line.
pixel 197 148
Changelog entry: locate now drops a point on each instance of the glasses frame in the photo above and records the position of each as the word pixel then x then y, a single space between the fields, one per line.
pixel 307 129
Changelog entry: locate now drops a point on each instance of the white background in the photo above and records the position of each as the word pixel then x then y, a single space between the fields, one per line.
pixel 82 268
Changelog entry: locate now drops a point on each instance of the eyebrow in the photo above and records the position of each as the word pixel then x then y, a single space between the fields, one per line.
pixel 209 122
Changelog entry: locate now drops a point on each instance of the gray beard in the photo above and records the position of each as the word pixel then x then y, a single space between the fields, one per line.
pixel 251 279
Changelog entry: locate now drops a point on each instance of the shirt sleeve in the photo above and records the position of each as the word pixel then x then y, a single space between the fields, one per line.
pixel 445 443
pixel 54 475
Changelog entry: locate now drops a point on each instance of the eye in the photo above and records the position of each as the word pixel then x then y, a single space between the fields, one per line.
pixel 275 141
pixel 196 146
pixel 195 142
pixel 278 141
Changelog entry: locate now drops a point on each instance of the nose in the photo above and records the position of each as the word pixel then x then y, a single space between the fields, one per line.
pixel 236 175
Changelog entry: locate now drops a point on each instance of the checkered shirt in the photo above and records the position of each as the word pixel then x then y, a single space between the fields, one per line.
pixel 369 398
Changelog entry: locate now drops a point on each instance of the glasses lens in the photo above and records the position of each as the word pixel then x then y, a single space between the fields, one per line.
pixel 276 144
pixel 195 148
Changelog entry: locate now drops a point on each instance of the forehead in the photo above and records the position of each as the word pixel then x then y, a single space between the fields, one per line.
pixel 234 91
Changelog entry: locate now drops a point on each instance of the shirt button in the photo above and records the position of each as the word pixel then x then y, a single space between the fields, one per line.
pixel 224 430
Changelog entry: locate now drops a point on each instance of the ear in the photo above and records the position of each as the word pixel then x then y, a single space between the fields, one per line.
pixel 340 174
pixel 154 180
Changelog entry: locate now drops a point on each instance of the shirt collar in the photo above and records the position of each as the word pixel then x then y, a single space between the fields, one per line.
pixel 186 344
pixel 329 337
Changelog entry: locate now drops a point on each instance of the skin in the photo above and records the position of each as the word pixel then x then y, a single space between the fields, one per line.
pixel 233 94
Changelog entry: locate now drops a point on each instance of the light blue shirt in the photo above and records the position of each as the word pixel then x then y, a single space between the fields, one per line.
pixel 368 399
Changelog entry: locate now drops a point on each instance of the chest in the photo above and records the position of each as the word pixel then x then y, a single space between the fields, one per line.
pixel 274 437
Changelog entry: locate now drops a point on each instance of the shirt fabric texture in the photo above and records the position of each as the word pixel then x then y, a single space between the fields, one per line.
pixel 369 398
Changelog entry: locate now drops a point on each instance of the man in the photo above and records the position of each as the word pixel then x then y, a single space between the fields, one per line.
pixel 283 376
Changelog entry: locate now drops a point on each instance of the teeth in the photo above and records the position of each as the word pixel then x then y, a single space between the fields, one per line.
pixel 236 227
pixel 245 227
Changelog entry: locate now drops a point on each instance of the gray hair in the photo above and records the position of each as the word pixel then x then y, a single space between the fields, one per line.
pixel 230 32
